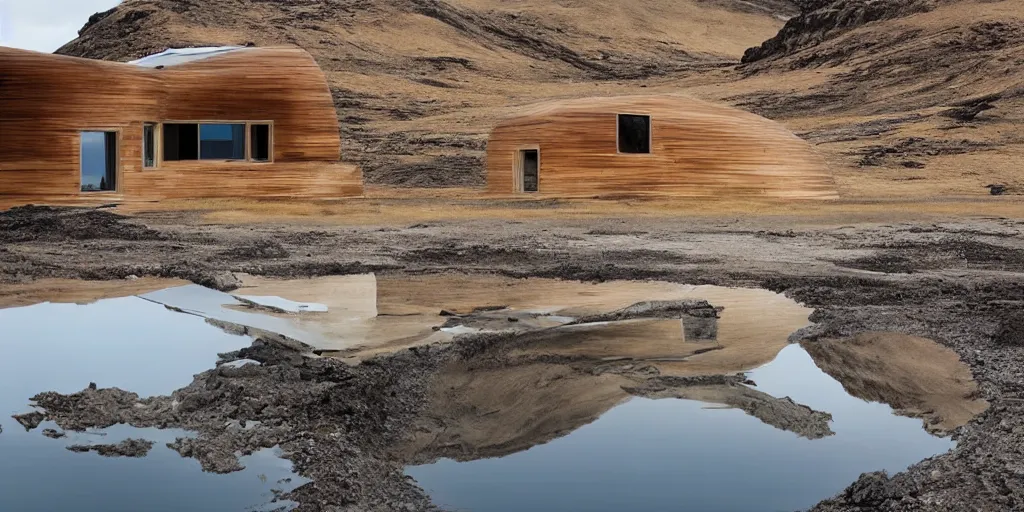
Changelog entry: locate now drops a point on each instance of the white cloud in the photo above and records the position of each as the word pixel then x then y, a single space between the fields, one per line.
pixel 45 25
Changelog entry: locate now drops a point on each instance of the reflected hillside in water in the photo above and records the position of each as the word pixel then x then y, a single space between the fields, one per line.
pixel 550 356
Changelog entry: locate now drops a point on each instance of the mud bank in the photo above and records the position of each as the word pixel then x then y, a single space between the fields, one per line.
pixel 340 424
pixel 330 419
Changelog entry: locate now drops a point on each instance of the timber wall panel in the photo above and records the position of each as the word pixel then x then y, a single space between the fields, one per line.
pixel 47 100
pixel 698 149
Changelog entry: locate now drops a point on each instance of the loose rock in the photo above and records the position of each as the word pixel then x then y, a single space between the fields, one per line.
pixel 53 434
pixel 30 420
pixel 134 448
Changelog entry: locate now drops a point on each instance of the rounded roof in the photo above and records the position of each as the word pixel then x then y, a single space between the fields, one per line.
pixel 671 104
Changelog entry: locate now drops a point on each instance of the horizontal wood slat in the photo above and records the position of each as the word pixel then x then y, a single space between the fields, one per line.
pixel 698 149
pixel 47 100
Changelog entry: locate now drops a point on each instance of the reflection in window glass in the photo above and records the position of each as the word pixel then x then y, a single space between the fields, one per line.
pixel 149 145
pixel 99 161
pixel 221 141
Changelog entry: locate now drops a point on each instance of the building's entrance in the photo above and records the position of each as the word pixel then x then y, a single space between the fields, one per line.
pixel 99 161
pixel 527 170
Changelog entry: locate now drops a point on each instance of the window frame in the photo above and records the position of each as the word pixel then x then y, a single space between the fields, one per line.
pixel 270 142
pixel 248 139
pixel 118 143
pixel 518 171
pixel 198 140
pixel 650 133
pixel 245 142
pixel 158 145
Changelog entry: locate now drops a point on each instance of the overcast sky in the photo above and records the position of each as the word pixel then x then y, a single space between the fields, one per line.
pixel 45 25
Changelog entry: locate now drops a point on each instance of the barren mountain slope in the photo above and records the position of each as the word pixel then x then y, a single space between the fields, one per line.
pixel 418 82
pixel 903 97
pixel 927 99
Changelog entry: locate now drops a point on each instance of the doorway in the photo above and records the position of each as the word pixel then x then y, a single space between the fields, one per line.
pixel 99 161
pixel 527 170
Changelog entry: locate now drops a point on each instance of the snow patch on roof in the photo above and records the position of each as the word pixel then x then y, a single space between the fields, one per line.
pixel 175 56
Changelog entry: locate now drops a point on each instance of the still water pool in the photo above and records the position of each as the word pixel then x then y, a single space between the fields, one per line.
pixel 136 345
pixel 553 427
pixel 674 454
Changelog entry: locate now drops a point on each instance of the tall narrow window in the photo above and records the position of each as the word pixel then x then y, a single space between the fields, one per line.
pixel 99 161
pixel 529 161
pixel 222 142
pixel 181 142
pixel 149 145
pixel 259 145
pixel 634 133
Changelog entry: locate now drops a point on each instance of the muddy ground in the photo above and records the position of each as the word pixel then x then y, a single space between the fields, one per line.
pixel 960 282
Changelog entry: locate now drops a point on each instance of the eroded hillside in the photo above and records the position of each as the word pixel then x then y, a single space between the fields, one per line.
pixel 904 96
pixel 908 97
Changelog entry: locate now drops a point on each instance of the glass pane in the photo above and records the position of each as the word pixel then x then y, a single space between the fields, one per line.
pixel 634 134
pixel 259 147
pixel 99 161
pixel 148 145
pixel 181 142
pixel 530 168
pixel 221 141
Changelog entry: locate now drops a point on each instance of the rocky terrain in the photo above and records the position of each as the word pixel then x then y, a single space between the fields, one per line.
pixel 904 91
pixel 904 97
pixel 956 281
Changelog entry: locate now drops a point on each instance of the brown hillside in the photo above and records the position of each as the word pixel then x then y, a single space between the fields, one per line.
pixel 904 96
pixel 418 83
pixel 907 97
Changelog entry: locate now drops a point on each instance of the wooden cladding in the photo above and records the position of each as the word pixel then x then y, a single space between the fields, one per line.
pixel 291 136
pixel 695 149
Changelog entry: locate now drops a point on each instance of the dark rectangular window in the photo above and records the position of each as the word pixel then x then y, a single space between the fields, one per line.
pixel 99 161
pixel 531 169
pixel 181 142
pixel 259 146
pixel 149 145
pixel 222 142
pixel 634 133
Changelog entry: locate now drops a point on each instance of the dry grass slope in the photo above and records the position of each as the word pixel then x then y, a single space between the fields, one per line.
pixel 418 83
pixel 904 97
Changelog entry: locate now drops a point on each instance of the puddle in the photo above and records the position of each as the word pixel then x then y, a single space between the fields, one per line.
pixel 136 345
pixel 611 396
pixel 675 454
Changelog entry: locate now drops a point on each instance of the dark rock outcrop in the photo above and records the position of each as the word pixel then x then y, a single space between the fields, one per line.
pixel 822 20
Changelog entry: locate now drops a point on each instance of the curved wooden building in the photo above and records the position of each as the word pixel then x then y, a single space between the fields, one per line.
pixel 651 145
pixel 201 122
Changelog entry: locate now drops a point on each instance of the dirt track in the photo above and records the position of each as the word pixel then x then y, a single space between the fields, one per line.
pixel 959 282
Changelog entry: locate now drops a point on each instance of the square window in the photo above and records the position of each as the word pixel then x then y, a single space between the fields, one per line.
pixel 222 142
pixel 181 141
pixel 634 133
